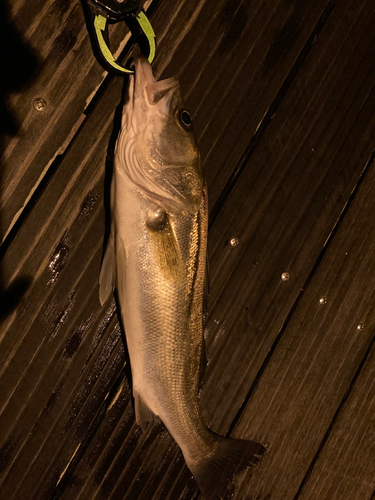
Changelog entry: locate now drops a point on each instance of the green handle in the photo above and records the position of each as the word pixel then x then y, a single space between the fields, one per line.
pixel 100 23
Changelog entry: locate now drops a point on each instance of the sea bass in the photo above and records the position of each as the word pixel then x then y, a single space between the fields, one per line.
pixel 156 258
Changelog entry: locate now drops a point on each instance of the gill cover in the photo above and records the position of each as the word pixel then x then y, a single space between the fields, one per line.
pixel 155 148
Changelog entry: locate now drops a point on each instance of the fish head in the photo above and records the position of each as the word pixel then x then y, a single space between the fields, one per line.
pixel 157 146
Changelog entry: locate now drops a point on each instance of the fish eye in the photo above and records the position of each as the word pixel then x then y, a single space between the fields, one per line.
pixel 185 119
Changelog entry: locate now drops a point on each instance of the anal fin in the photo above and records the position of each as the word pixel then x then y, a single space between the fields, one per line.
pixel 143 414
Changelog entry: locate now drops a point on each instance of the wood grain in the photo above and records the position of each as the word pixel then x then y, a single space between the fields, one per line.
pixel 345 467
pixel 284 113
pixel 285 204
pixel 313 391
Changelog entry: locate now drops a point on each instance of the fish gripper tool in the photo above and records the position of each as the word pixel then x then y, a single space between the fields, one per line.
pixel 100 13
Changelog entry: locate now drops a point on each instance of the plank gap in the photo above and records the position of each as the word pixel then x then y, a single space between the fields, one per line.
pixel 29 205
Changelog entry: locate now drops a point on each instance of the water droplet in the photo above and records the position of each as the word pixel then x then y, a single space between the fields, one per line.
pixel 75 339
pixel 62 316
pixel 88 205
pixel 58 261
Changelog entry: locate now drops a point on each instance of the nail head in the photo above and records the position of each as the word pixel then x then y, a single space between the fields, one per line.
pixel 40 104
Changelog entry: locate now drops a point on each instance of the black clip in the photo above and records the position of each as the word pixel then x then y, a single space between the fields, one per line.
pixel 99 13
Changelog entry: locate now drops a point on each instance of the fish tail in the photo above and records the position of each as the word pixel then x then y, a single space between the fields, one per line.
pixel 214 474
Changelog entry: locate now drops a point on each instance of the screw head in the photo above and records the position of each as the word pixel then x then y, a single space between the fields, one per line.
pixel 360 327
pixel 234 242
pixel 39 104
pixel 285 276
pixel 323 300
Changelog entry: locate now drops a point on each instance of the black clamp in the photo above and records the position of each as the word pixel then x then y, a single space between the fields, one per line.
pixel 100 13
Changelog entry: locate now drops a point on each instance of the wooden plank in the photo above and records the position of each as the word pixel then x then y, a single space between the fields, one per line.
pixel 287 213
pixel 345 469
pixel 231 80
pixel 58 250
pixel 229 384
pixel 85 481
pixel 286 203
pixel 66 77
pixel 298 401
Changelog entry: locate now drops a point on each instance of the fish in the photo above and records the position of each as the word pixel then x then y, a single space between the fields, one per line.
pixel 156 260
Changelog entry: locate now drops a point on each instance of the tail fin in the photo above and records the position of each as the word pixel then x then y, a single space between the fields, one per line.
pixel 215 474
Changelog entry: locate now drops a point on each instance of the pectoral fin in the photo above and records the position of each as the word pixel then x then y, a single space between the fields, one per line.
pixel 107 278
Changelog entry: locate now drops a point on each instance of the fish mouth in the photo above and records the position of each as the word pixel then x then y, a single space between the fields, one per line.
pixel 147 87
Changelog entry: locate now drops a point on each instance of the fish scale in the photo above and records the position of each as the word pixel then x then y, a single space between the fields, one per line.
pixel 156 258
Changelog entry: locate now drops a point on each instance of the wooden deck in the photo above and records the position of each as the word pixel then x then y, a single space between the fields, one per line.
pixel 283 98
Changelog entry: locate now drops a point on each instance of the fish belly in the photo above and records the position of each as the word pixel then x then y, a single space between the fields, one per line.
pixel 158 286
pixel 160 278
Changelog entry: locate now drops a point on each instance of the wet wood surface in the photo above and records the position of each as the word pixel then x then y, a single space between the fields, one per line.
pixel 282 96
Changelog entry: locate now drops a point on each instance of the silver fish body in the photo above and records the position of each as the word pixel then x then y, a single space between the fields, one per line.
pixel 156 258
